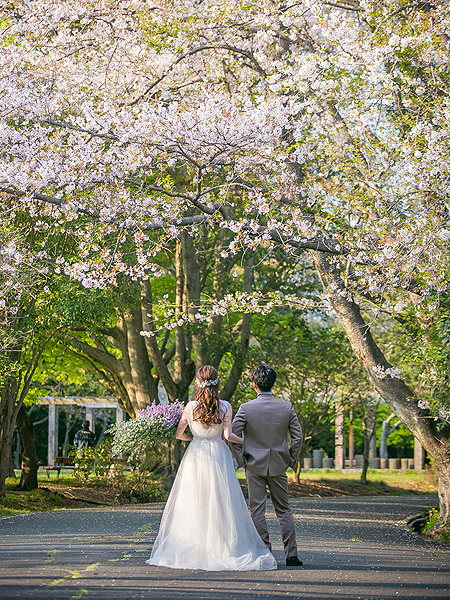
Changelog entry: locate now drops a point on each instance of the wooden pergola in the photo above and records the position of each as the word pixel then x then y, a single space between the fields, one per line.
pixel 89 403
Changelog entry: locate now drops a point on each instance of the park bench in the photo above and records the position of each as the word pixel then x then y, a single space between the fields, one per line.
pixel 61 462
pixel 67 462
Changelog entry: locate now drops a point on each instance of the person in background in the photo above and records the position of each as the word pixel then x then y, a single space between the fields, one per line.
pixel 84 438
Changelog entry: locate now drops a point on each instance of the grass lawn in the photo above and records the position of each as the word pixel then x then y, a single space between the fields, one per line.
pixel 378 482
pixel 17 502
pixel 328 482
pixel 394 476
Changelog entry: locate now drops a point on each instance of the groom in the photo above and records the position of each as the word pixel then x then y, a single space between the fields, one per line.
pixel 264 423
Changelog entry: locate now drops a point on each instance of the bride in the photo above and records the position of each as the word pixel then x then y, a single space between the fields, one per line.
pixel 206 524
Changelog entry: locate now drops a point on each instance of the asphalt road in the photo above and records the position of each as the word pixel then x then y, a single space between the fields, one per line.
pixel 353 548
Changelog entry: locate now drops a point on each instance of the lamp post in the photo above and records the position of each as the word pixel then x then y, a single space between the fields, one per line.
pixel 351 446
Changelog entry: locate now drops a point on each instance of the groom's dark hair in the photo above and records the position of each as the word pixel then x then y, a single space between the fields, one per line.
pixel 264 377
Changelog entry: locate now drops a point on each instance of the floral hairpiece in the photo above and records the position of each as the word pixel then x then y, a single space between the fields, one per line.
pixel 206 383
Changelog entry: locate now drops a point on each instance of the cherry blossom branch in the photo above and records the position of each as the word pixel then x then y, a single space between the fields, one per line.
pixel 181 222
pixel 109 136
pixel 349 5
pixel 321 244
pixel 202 48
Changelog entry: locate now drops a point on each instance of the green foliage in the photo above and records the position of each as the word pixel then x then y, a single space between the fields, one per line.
pixel 99 464
pixel 433 517
pixel 61 374
pixel 400 442
pixel 79 306
pixel 97 461
pixel 441 534
pixel 140 486
pixel 429 361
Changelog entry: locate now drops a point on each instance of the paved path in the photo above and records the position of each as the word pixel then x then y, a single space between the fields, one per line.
pixel 353 549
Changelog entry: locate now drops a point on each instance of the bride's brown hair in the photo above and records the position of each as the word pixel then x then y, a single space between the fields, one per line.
pixel 207 409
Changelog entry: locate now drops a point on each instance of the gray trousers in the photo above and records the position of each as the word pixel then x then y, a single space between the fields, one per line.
pixel 257 496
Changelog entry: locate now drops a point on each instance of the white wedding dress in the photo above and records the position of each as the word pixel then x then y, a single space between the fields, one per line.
pixel 206 523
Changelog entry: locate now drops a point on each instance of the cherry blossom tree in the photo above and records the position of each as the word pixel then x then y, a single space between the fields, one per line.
pixel 24 335
pixel 325 122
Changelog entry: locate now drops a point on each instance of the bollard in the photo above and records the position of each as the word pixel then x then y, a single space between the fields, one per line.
pixel 318 459
pixel 359 461
pixel 307 462
pixel 394 463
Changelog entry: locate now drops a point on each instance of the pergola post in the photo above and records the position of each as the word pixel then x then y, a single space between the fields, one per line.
pixel 89 404
pixel 351 441
pixel 52 434
pixel 339 438
pixel 90 417
pixel 120 416
pixel 419 456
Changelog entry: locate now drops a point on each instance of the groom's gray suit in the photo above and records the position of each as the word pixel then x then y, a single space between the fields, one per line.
pixel 265 423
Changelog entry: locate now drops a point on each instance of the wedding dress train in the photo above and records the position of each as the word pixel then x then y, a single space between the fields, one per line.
pixel 206 523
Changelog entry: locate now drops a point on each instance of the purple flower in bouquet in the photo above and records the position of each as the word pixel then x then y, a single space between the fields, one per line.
pixel 163 416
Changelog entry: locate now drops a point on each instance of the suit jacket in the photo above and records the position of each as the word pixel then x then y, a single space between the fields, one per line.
pixel 264 423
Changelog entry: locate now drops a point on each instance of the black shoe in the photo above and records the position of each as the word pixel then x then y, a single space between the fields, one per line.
pixel 293 561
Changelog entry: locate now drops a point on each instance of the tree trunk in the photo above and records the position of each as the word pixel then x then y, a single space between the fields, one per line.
pixel 30 463
pixel 5 458
pixel 8 415
pixel 443 473
pixel 12 394
pixel 296 471
pixel 369 429
pixel 12 471
pixel 239 359
pixel 394 391
pixel 144 389
pixel 373 446
pixel 128 377
pixel 193 289
pixel 173 390
pixel 180 342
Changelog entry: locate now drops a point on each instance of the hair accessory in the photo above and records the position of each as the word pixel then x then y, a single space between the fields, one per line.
pixel 206 383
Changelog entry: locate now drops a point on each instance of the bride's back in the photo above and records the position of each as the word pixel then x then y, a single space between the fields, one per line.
pixel 199 430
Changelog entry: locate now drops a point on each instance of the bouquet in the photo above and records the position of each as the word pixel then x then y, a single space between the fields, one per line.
pixel 154 424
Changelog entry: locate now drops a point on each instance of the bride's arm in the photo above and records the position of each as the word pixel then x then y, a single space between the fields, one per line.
pixel 183 423
pixel 227 433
